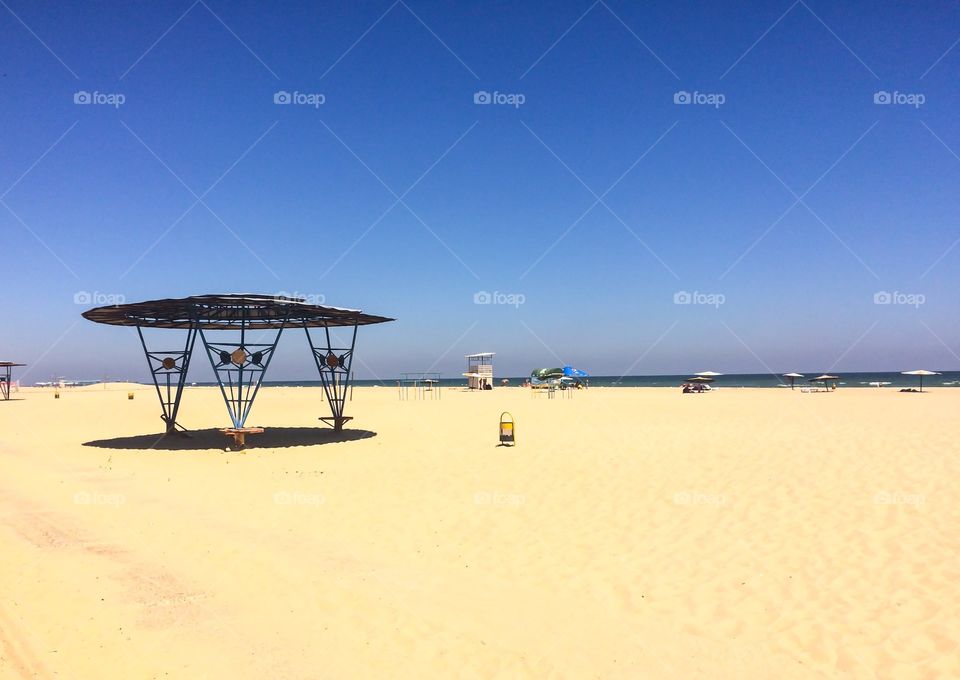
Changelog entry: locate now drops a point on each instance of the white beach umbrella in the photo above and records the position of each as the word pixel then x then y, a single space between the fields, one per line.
pixel 920 372
pixel 793 377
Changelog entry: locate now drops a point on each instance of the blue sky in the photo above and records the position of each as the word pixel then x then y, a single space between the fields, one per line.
pixel 783 207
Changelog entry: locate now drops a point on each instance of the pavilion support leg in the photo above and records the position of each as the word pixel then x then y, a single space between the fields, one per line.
pixel 5 383
pixel 169 373
pixel 333 364
pixel 240 368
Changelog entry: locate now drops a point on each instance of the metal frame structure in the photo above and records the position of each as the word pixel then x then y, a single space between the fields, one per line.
pixel 335 373
pixel 165 367
pixel 240 366
pixel 5 373
pixel 418 385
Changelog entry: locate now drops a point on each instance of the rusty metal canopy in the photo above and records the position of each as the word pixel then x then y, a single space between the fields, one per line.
pixel 229 311
pixel 10 363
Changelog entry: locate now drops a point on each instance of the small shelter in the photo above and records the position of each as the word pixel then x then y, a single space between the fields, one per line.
pixel 5 375
pixel 479 373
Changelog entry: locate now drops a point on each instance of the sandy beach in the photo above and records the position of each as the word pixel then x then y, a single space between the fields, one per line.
pixel 747 533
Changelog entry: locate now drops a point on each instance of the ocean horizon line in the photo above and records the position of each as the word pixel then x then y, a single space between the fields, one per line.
pixel 867 379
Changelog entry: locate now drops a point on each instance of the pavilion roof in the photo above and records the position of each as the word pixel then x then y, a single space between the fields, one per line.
pixel 231 310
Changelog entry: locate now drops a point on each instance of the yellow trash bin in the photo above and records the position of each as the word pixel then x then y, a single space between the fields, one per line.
pixel 508 433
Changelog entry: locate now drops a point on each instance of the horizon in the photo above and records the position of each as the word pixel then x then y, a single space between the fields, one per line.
pixel 628 190
pixel 899 376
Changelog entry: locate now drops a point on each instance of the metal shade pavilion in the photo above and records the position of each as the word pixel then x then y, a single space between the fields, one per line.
pixel 240 362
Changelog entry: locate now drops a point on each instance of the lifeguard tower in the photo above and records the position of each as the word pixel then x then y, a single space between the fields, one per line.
pixel 479 373
pixel 5 379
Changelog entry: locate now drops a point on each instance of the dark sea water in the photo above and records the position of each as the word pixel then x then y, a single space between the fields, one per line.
pixel 896 380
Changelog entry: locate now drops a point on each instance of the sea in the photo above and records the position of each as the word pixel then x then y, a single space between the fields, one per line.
pixel 733 380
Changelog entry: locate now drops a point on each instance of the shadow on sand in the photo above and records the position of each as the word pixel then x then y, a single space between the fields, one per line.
pixel 198 440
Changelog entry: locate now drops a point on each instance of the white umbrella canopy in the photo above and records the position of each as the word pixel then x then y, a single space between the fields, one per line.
pixel 708 374
pixel 920 372
pixel 793 377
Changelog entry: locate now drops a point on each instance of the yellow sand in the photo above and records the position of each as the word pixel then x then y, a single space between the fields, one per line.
pixel 632 533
